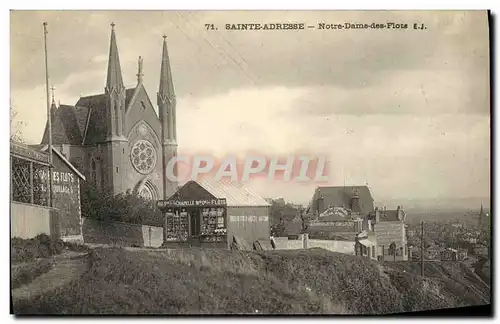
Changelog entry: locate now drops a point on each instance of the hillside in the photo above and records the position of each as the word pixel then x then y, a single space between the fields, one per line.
pixel 197 281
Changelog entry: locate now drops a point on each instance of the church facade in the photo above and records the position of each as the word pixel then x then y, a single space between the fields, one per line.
pixel 116 138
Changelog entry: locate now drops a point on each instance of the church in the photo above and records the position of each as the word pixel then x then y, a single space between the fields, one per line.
pixel 116 139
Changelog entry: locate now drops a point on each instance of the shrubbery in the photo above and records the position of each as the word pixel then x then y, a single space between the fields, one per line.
pixel 26 273
pixel 125 207
pixel 41 246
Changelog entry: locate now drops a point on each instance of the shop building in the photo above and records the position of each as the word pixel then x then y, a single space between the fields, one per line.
pixel 215 214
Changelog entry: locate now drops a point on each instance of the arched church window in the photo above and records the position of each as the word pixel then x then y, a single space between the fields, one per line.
pixel 146 193
pixel 93 172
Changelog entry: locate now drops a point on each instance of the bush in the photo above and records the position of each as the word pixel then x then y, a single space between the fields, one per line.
pixel 125 207
pixel 25 273
pixel 41 246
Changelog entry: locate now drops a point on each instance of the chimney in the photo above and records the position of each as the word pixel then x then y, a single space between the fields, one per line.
pixel 401 213
pixel 377 215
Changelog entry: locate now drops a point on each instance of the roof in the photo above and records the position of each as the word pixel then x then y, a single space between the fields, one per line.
pixel 71 166
pixel 235 193
pixel 341 196
pixel 27 152
pixel 366 242
pixel 65 128
pixel 90 113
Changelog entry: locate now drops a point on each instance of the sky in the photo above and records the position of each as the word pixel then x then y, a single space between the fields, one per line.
pixel 405 111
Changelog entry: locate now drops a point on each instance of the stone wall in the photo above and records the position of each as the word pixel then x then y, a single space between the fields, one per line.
pixel 119 233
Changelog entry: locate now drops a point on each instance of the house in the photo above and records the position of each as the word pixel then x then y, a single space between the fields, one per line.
pixel 449 255
pixel 433 252
pixel 390 231
pixel 366 245
pixel 480 250
pixel 215 214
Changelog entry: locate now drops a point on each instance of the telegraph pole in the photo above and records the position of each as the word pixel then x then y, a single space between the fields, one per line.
pixel 49 119
pixel 422 249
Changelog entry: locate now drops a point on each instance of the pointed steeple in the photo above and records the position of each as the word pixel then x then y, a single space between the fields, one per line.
pixel 166 108
pixel 166 90
pixel 114 80
pixel 53 107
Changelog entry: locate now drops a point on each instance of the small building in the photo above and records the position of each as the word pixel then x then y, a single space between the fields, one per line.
pixel 462 254
pixel 30 200
pixel 366 245
pixel 30 214
pixel 480 250
pixel 390 231
pixel 66 195
pixel 216 214
pixel 449 255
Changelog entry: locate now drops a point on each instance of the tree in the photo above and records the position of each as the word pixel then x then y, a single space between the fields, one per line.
pixel 15 128
pixel 125 207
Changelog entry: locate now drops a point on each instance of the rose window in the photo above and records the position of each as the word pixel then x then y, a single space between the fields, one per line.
pixel 143 156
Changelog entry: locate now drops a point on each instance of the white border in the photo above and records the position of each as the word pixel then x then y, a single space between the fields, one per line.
pixel 185 4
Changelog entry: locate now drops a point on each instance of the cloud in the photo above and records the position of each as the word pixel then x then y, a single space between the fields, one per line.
pixel 405 111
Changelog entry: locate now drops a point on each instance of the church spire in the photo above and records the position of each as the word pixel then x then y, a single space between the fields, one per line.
pixel 114 80
pixel 166 108
pixel 166 90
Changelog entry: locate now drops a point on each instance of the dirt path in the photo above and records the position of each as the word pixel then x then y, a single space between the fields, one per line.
pixel 68 266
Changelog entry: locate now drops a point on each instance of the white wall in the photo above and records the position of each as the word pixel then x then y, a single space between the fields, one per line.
pixel 283 243
pixel 27 221
pixel 346 247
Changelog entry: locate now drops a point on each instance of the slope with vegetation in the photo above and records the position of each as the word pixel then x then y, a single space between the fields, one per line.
pixel 194 281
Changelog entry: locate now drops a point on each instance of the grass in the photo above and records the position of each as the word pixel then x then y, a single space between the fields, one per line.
pixel 194 281
pixel 25 273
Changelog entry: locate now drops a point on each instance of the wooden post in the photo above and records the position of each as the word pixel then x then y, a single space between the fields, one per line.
pixel 49 117
pixel 422 249
pixel 32 201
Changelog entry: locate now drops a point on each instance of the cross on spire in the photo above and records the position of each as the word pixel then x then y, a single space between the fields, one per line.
pixel 140 73
pixel 112 25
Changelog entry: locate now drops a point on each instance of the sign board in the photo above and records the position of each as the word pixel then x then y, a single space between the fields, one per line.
pixel 340 226
pixel 163 204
